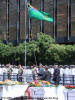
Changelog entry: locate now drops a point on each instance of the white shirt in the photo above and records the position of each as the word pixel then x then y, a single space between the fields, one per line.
pixel 61 71
pixel 52 70
pixel 1 71
pixel 73 71
pixel 66 71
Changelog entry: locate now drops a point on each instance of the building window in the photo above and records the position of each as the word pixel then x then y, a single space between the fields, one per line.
pixel 73 18
pixel 61 18
pixel 48 7
pixel 22 20
pixel 12 19
pixel 2 19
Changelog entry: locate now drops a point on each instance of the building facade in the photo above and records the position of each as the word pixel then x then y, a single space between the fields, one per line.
pixel 15 21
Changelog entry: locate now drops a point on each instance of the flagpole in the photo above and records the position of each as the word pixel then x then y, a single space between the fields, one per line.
pixel 25 29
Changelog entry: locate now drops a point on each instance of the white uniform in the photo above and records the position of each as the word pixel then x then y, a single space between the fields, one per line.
pixel 27 74
pixel 73 75
pixel 51 71
pixel 73 71
pixel 67 75
pixel 61 74
pixel 5 73
pixel 14 74
pixel 1 74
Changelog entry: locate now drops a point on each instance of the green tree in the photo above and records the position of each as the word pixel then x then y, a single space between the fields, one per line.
pixel 44 42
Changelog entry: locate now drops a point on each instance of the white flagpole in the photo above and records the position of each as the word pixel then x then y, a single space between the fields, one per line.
pixel 25 29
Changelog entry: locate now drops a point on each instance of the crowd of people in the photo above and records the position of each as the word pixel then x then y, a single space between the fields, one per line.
pixel 58 72
pixel 43 72
pixel 8 71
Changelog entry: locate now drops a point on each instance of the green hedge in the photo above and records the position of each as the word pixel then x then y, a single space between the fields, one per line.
pixel 43 50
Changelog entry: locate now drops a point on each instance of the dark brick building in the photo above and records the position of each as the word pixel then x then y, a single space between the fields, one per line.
pixel 12 20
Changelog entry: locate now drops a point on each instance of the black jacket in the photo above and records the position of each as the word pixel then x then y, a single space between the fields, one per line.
pixel 46 76
pixel 56 75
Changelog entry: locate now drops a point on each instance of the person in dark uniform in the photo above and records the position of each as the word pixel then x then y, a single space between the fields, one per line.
pixel 20 72
pixel 46 75
pixel 56 74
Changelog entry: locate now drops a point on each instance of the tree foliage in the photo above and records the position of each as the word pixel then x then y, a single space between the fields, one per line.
pixel 43 50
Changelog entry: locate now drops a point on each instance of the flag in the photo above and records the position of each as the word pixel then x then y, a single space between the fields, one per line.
pixel 34 13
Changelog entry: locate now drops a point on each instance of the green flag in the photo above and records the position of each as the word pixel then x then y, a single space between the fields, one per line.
pixel 34 13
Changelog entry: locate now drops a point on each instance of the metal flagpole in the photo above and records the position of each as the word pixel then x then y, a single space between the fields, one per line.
pixel 25 29
pixel 54 19
pixel 29 29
